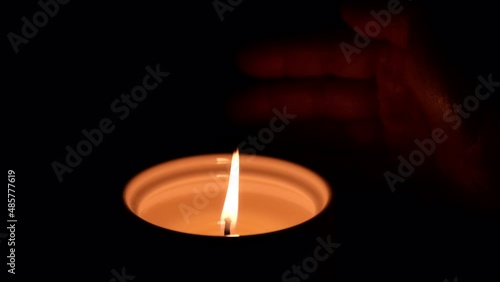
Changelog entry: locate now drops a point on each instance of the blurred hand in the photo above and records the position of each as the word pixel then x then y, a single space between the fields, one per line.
pixel 388 90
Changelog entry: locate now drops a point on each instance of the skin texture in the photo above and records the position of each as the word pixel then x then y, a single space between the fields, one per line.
pixel 398 88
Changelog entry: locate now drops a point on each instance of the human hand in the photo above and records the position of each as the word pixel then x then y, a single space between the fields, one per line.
pixel 390 90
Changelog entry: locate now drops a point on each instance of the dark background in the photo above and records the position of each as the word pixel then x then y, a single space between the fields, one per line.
pixel 65 78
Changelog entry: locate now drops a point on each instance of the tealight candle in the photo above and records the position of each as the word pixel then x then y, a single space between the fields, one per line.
pixel 227 195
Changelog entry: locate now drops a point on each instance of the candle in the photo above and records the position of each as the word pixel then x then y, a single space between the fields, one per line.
pixel 227 195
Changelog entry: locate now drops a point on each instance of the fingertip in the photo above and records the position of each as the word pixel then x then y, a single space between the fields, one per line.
pixel 249 105
pixel 260 59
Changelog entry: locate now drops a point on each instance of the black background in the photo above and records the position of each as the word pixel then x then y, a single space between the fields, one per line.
pixel 65 79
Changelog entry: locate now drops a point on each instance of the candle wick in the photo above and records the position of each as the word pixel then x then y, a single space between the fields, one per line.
pixel 227 226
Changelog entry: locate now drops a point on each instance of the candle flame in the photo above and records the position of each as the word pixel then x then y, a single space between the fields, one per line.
pixel 230 209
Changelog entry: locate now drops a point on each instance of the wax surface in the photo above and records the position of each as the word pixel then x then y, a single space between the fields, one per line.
pixel 260 211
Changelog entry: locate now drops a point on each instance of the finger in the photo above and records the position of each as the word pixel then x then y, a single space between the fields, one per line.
pixel 334 99
pixel 318 55
pixel 386 20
